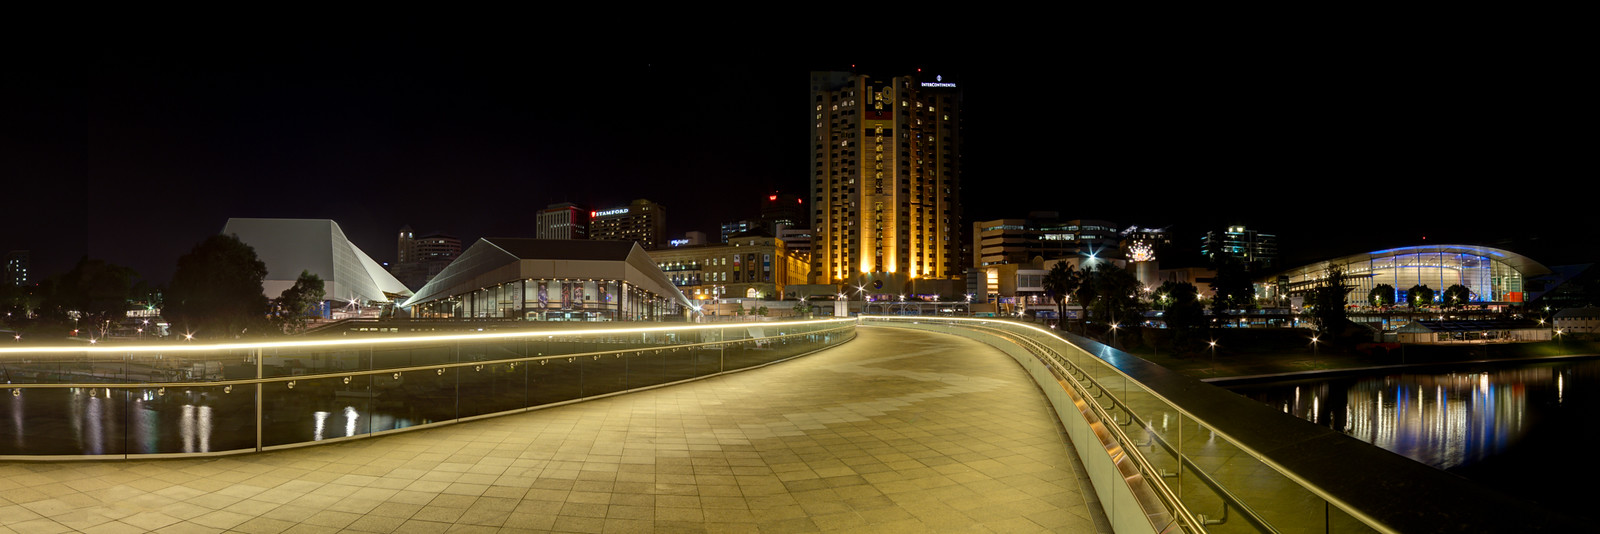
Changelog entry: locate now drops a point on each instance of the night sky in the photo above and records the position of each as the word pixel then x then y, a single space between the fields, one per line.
pixel 133 152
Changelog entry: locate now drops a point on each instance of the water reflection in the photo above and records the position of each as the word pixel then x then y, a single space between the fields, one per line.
pixel 1445 420
pixel 320 418
pixel 199 418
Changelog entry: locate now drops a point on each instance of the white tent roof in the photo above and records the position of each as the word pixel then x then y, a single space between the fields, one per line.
pixel 289 246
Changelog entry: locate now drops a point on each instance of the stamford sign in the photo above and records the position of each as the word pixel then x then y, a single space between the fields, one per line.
pixel 608 213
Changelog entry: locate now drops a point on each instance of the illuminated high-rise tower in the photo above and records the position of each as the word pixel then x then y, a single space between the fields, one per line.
pixel 886 174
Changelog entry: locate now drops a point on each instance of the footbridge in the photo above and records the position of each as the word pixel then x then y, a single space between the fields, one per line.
pixel 900 424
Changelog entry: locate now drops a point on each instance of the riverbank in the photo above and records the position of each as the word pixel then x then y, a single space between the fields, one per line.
pixel 1247 354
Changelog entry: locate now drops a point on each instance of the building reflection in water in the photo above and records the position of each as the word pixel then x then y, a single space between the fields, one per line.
pixel 321 423
pixel 1444 420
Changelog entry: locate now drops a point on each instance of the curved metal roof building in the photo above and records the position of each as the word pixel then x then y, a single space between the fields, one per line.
pixel 538 279
pixel 1492 275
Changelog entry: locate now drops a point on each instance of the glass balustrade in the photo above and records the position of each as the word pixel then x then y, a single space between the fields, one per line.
pixel 193 398
pixel 1194 475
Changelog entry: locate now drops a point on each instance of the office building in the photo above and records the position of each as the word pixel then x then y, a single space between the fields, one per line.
pixel 563 221
pixel 782 210
pixel 750 266
pixel 406 245
pixel 886 175
pixel 1041 235
pixel 642 221
pixel 432 247
pixel 691 238
pixel 1251 248
pixel 422 258
pixel 438 247
pixel 17 268
pixel 798 240
pixel 730 229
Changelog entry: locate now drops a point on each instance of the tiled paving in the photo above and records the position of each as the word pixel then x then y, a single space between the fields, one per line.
pixel 896 431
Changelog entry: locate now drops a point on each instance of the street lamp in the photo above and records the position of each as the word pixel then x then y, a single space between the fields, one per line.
pixel 1114 328
pixel 1314 346
pixel 1213 347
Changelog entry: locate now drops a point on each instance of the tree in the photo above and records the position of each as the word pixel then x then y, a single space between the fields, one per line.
pixel 216 291
pixel 1117 294
pixel 297 301
pixel 1329 299
pixel 1060 282
pixel 1456 295
pixel 761 311
pixel 96 290
pixel 1381 296
pixel 1231 289
pixel 1086 291
pixel 803 308
pixel 1419 295
pixel 1183 311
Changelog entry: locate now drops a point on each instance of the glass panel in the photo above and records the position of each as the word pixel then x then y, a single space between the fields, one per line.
pixel 647 368
pixel 1341 522
pixel 603 373
pixel 62 421
pixel 493 388
pixel 397 356
pixel 316 409
pixel 295 361
pixel 554 380
pixel 192 419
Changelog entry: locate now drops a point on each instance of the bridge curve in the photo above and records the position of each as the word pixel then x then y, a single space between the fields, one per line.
pixel 897 430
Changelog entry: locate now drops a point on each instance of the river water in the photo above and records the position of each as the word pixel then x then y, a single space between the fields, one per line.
pixel 1522 428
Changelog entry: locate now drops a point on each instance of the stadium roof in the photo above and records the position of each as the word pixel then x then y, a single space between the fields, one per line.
pixel 1523 264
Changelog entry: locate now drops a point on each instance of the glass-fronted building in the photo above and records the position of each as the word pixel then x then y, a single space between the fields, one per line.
pixel 550 280
pixel 1492 275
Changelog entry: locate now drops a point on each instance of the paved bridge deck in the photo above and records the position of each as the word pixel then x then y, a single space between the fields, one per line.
pixel 896 431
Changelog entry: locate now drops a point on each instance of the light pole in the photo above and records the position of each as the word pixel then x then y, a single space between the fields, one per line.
pixel 1314 347
pixel 1114 342
pixel 1213 347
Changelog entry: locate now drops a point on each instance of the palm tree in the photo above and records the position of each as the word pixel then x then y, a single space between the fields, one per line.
pixel 1061 281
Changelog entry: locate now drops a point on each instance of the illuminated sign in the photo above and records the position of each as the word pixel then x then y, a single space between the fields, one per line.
pixel 939 83
pixel 678 242
pixel 608 213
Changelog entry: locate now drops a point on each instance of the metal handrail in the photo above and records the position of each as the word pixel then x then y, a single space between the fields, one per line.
pixel 477 336
pixel 1250 513
pixel 1332 500
pixel 1171 500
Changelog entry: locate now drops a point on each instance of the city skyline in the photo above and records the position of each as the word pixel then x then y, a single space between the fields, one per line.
pixel 151 147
